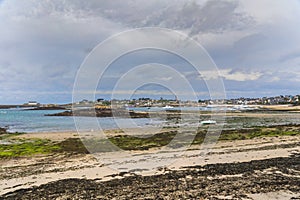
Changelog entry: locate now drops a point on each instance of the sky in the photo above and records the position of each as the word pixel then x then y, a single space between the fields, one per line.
pixel 254 44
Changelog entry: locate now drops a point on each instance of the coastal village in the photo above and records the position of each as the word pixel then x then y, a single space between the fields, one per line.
pixel 287 100
pixel 142 100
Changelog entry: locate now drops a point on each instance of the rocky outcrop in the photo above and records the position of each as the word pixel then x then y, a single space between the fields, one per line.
pixel 49 108
pixel 65 113
pixel 3 130
pixel 102 113
pixel 213 181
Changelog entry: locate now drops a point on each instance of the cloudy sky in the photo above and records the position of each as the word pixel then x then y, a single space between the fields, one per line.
pixel 254 43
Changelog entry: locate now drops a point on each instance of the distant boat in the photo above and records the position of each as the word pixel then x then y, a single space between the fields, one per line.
pixel 211 106
pixel 241 107
pixel 208 122
pixel 168 107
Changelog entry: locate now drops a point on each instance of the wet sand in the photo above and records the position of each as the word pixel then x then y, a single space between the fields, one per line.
pixel 248 169
pixel 263 179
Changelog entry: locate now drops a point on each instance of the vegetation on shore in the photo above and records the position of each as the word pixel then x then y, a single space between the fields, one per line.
pixel 161 139
pixel 256 132
pixel 25 147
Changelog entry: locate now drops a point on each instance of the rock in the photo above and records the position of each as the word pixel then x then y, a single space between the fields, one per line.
pixel 3 130
pixel 171 186
pixel 103 113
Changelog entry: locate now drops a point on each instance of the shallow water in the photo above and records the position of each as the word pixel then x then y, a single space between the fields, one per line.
pixel 18 120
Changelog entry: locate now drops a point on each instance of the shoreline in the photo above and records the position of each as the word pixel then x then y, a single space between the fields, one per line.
pixel 288 117
pixel 273 151
pixel 36 171
pixel 245 180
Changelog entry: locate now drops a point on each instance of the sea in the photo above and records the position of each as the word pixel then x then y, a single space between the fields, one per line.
pixel 20 120
pixel 28 121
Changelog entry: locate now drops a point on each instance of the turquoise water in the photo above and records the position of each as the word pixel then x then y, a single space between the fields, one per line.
pixel 18 120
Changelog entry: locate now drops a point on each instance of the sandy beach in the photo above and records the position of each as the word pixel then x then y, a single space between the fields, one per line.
pixel 142 100
pixel 232 169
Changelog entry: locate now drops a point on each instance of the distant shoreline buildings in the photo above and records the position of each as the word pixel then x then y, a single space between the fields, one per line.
pixel 147 102
pixel 144 102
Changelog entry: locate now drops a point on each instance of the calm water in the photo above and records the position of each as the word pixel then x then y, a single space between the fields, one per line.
pixel 35 121
pixel 18 120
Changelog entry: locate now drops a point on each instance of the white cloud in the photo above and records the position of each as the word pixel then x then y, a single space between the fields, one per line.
pixel 42 43
pixel 274 12
pixel 274 79
pixel 241 76
pixel 229 74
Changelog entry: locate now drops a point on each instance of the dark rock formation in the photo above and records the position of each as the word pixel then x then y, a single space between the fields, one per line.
pixel 199 182
pixel 102 113
pixel 3 130
pixel 48 108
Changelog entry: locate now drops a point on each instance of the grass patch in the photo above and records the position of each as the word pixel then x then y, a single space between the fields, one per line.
pixel 127 142
pixel 27 148
pixel 136 143
pixel 21 147
pixel 72 145
pixel 162 139
pixel 274 131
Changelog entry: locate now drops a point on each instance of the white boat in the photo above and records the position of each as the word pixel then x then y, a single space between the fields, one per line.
pixel 168 107
pixel 211 106
pixel 208 122
pixel 241 107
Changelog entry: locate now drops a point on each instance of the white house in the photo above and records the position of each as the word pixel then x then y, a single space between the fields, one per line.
pixel 32 103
